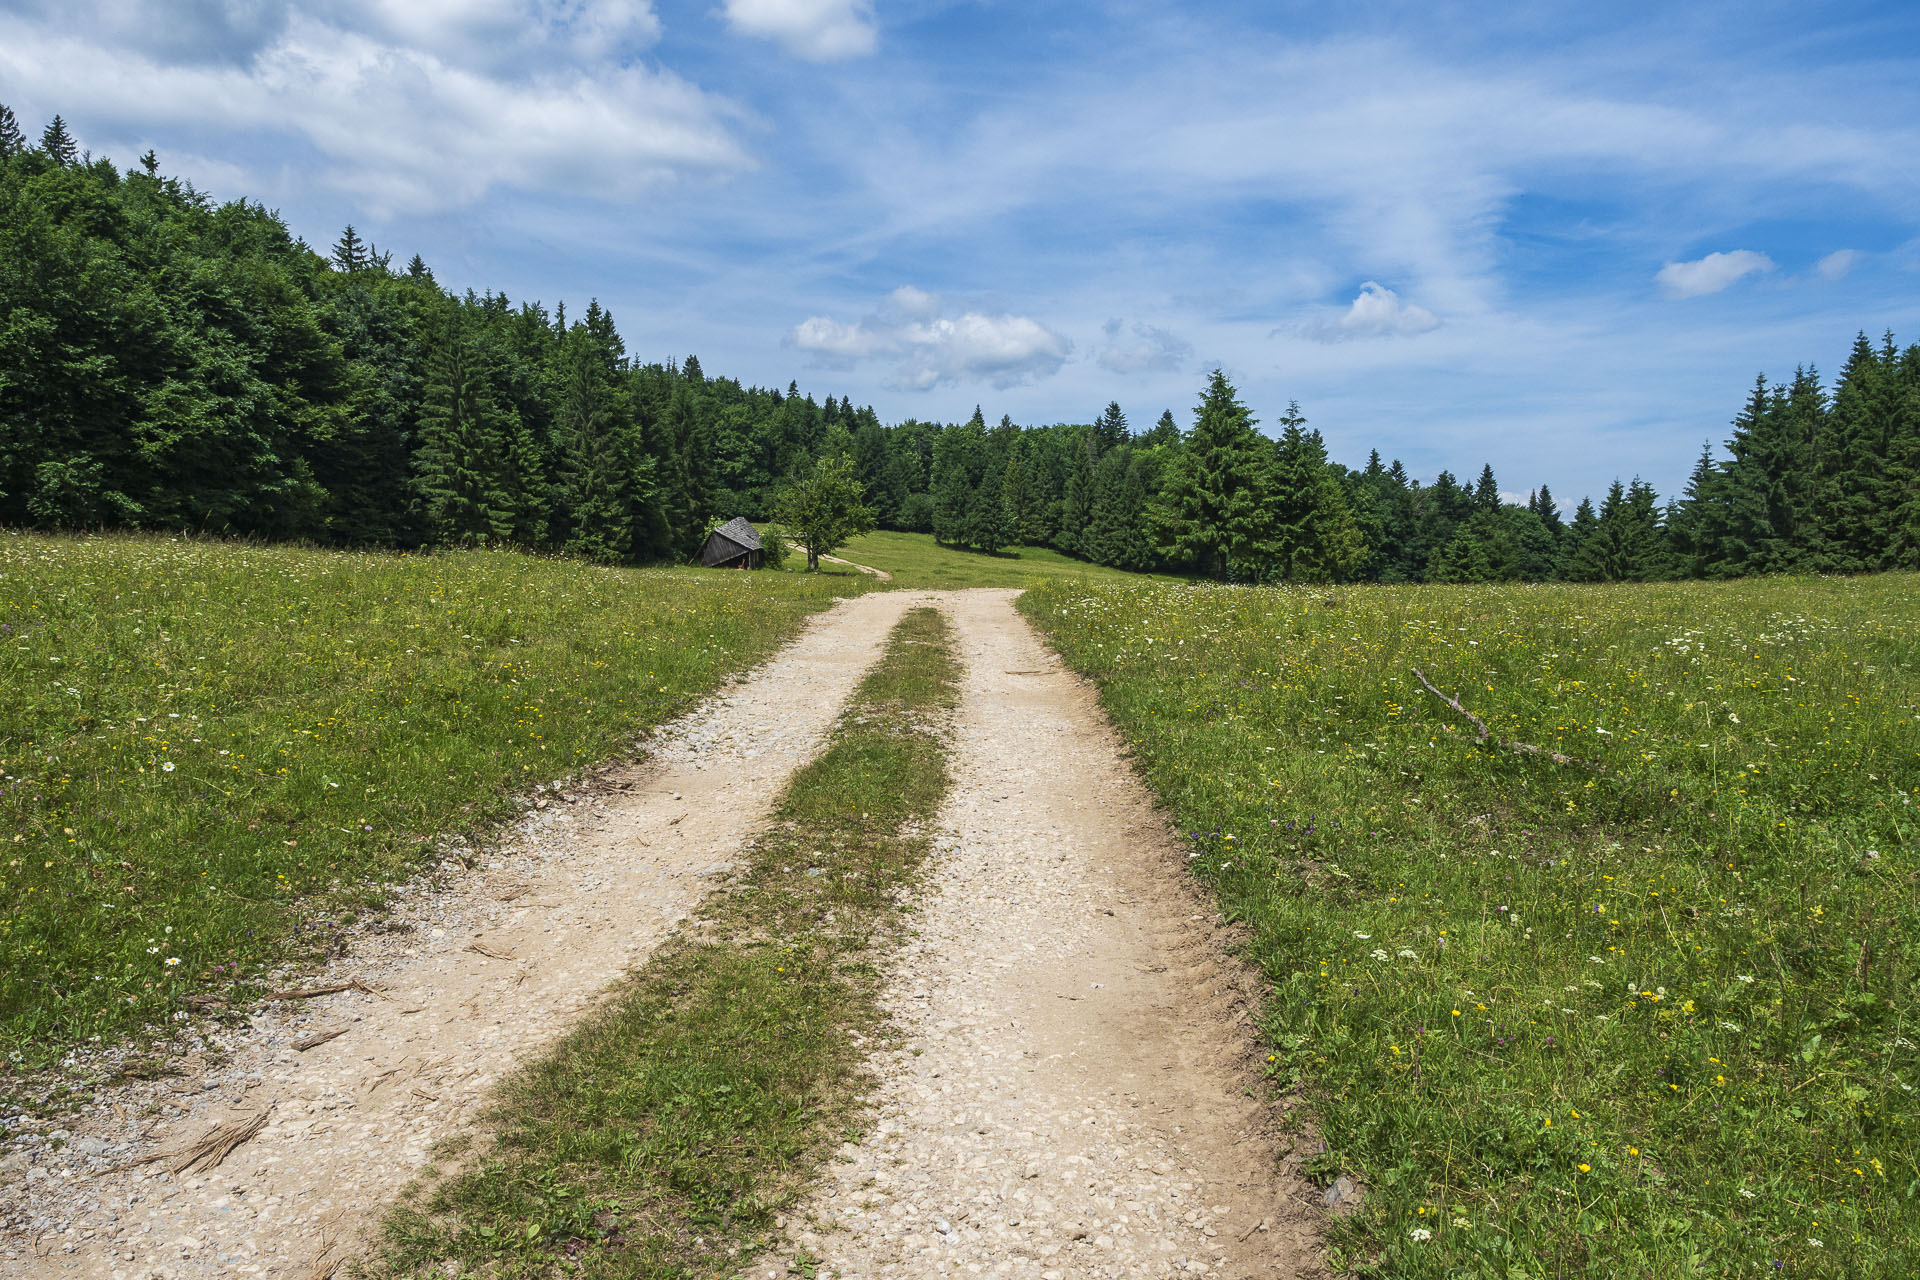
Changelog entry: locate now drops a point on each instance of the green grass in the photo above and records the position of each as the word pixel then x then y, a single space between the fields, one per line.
pixel 212 755
pixel 662 1137
pixel 916 560
pixel 1654 1018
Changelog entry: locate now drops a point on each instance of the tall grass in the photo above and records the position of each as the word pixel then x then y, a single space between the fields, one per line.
pixel 1652 1013
pixel 212 756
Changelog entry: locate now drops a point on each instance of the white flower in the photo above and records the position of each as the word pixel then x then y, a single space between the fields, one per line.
pixel 172 961
pixel 1748 1194
pixel 1380 954
pixel 1744 977
pixel 1364 937
pixel 1419 1235
pixel 1815 1243
pixel 167 767
pixel 153 951
pixel 1407 955
pixel 1462 1223
pixel 1731 1026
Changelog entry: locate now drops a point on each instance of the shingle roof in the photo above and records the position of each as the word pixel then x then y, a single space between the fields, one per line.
pixel 739 532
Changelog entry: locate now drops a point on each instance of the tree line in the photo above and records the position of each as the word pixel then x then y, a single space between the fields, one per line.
pixel 167 362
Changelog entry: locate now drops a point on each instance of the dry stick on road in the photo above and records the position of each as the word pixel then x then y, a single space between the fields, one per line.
pixel 206 1154
pixel 307 993
pixel 1511 745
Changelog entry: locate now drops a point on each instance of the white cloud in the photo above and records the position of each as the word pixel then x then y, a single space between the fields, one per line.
pixel 917 303
pixel 1377 312
pixel 1142 348
pixel 1836 264
pixel 1710 274
pixel 410 128
pixel 931 350
pixel 818 30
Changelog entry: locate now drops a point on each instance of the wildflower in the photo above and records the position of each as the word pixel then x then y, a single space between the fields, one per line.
pixel 1364 937
pixel 1586 1168
pixel 1815 1244
pixel 1744 977
pixel 167 767
pixel 1407 955
pixel 1746 1193
pixel 172 961
pixel 1379 954
pixel 1419 1235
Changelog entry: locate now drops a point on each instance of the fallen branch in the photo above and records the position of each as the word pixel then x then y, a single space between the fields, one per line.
pixel 490 953
pixel 318 1038
pixel 307 993
pixel 1486 734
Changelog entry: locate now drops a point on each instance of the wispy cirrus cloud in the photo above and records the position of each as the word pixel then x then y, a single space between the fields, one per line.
pixel 1142 348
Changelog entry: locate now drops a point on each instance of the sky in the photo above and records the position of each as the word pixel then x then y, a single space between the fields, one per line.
pixel 1559 238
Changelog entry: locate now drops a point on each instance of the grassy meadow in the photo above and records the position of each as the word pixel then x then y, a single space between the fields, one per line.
pixel 1650 1013
pixel 916 560
pixel 212 755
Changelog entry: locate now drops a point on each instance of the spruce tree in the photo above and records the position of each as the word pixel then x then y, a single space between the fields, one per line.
pixel 1486 493
pixel 459 468
pixel 1696 523
pixel 1852 501
pixel 350 252
pixel 958 462
pixel 1212 511
pixel 1903 467
pixel 1165 432
pixel 1110 428
pixel 59 144
pixel 12 141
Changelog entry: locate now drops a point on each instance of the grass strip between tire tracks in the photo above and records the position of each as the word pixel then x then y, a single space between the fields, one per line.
pixel 662 1137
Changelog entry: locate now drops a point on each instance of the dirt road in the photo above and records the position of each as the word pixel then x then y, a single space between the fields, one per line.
pixel 1075 1097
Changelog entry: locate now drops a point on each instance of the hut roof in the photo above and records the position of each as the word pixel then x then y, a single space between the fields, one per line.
pixel 739 532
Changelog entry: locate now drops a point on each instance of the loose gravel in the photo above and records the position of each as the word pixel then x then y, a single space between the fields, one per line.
pixel 1075 1094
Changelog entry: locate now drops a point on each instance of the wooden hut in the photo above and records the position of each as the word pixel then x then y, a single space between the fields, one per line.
pixel 734 545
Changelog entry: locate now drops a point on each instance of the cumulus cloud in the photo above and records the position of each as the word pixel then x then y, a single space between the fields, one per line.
pixel 1377 312
pixel 407 103
pixel 1836 264
pixel 1710 274
pixel 1142 347
pixel 930 349
pixel 818 30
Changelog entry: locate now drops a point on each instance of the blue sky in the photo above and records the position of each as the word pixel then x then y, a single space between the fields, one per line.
pixel 1559 238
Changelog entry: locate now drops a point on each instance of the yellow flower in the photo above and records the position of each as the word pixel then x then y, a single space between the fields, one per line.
pixel 1586 1168
pixel 1456 1013
pixel 1633 1151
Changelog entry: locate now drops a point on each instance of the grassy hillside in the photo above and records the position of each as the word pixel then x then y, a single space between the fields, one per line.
pixel 211 754
pixel 916 560
pixel 1651 1012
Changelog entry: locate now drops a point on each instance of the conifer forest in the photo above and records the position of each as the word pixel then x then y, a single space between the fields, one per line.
pixel 172 363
